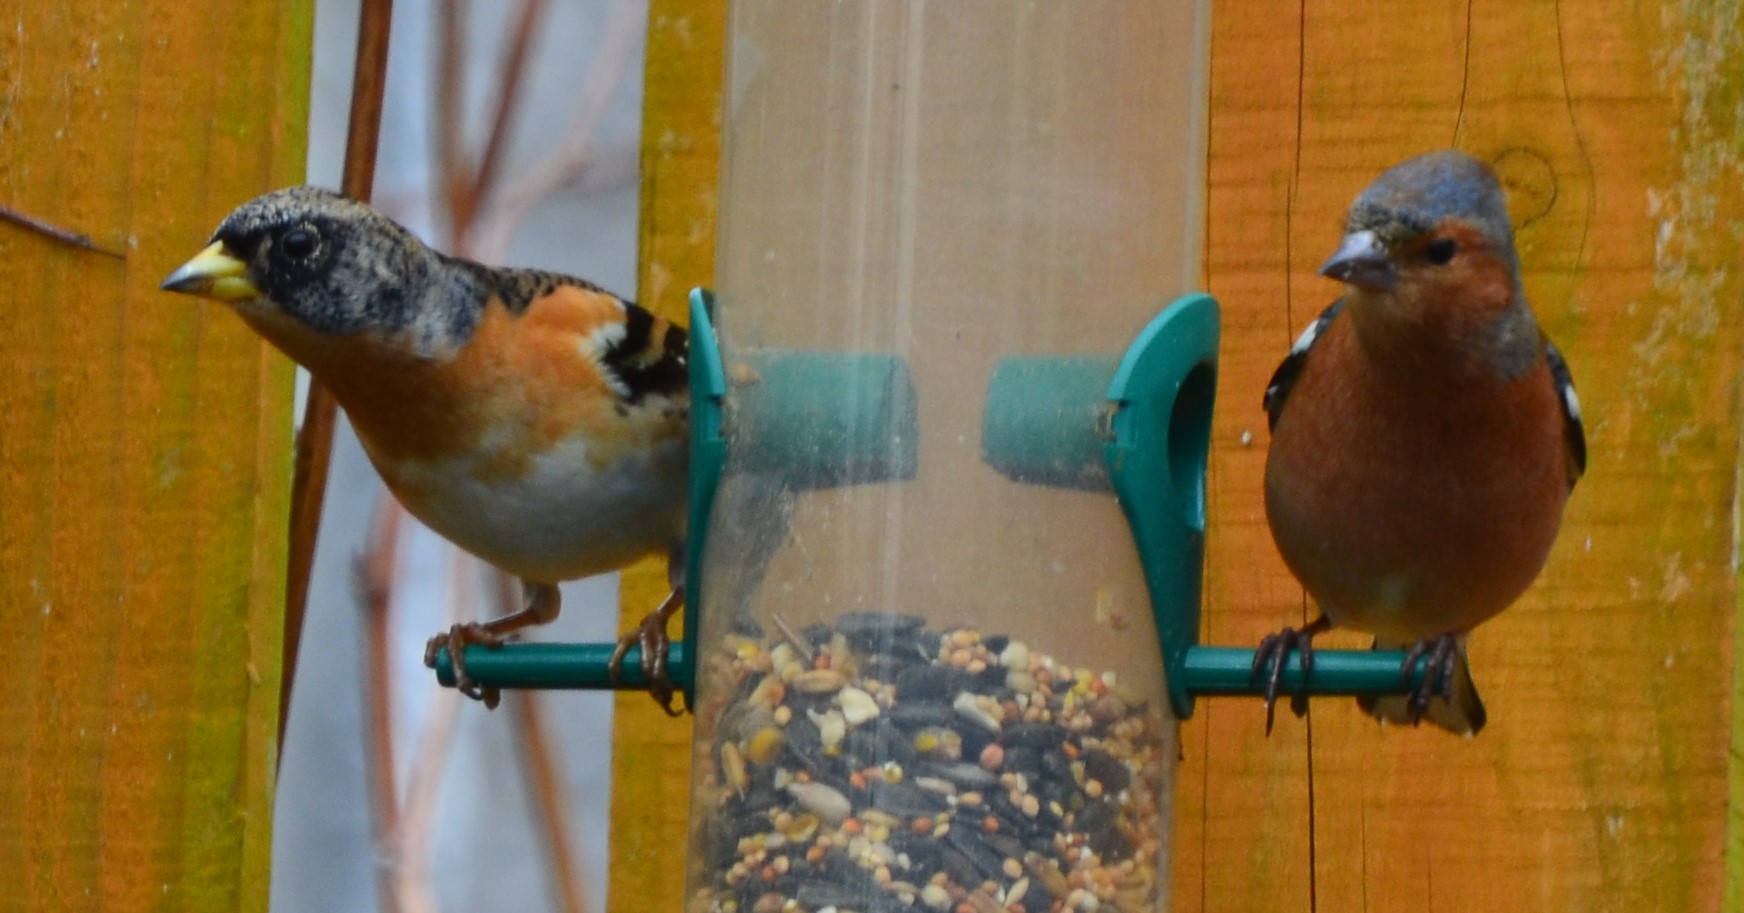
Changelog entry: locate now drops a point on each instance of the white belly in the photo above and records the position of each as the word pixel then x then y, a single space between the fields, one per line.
pixel 562 519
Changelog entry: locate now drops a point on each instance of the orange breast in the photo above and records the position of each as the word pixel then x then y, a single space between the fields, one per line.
pixel 1412 508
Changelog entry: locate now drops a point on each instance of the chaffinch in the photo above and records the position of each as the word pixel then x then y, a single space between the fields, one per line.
pixel 1425 436
pixel 534 419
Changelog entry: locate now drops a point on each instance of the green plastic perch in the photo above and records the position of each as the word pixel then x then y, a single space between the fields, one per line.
pixel 580 667
pixel 1210 671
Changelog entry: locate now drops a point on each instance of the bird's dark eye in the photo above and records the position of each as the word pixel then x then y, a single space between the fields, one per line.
pixel 1440 251
pixel 300 243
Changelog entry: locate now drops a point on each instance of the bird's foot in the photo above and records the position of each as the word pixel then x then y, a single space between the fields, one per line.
pixel 1271 655
pixel 650 635
pixel 456 640
pixel 1439 673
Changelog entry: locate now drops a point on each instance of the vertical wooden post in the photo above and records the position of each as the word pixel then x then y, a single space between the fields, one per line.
pixel 144 455
pixel 680 170
pixel 1602 779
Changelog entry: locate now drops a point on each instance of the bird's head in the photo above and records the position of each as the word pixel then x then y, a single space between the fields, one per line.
pixel 1430 240
pixel 306 260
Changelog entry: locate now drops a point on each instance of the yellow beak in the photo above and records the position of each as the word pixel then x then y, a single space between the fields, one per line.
pixel 213 274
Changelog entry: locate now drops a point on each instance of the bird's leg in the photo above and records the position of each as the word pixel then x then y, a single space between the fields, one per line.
pixel 1274 651
pixel 544 601
pixel 650 635
pixel 1439 673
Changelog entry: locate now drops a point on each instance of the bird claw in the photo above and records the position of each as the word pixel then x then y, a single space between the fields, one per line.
pixel 456 640
pixel 651 636
pixel 1271 655
pixel 1439 673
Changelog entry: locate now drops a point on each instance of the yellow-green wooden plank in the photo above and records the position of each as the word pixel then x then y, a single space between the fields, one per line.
pixel 680 168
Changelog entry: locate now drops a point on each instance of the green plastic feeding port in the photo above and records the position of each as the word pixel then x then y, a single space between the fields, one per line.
pixel 824 419
pixel 1040 427
pixel 1141 426
pixel 821 420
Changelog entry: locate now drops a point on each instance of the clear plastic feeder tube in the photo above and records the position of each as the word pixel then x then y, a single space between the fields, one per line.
pixel 923 685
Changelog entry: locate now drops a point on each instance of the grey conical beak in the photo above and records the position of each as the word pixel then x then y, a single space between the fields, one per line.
pixel 1362 261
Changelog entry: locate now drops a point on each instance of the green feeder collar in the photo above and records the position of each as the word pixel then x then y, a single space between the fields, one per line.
pixel 1161 395
pixel 708 453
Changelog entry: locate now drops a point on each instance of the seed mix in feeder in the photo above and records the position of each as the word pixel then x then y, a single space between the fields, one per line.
pixel 880 767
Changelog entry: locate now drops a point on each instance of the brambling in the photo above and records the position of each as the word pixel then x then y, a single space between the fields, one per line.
pixel 1425 436
pixel 534 419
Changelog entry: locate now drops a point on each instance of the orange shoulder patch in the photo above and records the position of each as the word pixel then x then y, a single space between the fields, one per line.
pixel 594 317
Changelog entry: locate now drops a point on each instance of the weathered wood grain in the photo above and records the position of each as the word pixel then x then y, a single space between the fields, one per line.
pixel 144 456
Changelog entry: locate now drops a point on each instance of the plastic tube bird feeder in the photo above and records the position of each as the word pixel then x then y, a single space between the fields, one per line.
pixel 937 680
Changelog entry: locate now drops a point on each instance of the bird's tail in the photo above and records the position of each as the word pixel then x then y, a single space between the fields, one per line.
pixel 1463 715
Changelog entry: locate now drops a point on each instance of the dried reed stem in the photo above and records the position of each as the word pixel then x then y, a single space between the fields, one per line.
pixel 314 448
pixel 430 757
pixel 547 793
pixel 514 67
pixel 451 171
pixel 377 569
pixel 610 62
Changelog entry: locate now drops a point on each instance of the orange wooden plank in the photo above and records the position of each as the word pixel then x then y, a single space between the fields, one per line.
pixel 1601 780
pixel 1241 828
pixel 144 445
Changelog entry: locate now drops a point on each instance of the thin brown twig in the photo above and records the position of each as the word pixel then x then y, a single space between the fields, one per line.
pixel 314 448
pixel 51 230
pixel 551 802
pixel 452 172
pixel 430 758
pixel 609 64
pixel 514 68
pixel 547 791
pixel 368 88
pixel 376 571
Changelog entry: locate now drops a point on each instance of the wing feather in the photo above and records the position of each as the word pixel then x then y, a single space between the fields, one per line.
pixel 1284 378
